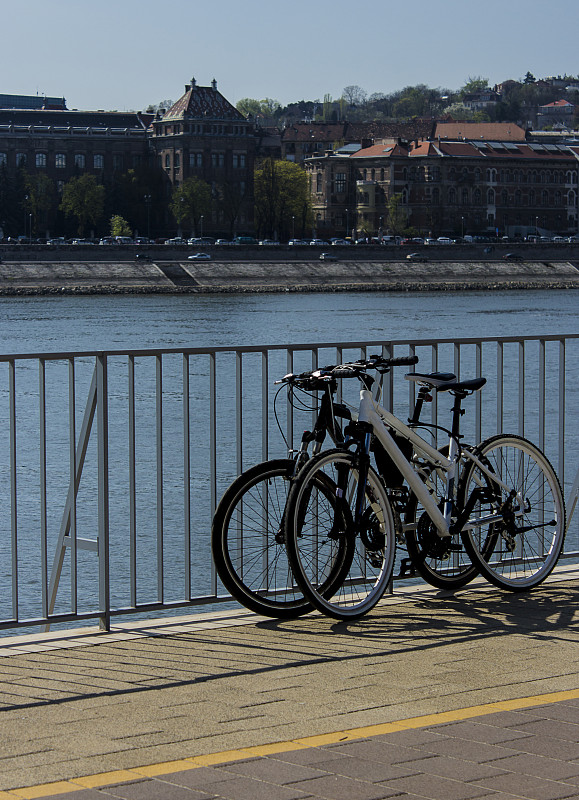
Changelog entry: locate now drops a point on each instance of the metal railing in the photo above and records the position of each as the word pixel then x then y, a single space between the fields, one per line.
pixel 113 462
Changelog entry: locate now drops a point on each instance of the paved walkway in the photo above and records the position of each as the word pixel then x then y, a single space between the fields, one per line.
pixel 468 696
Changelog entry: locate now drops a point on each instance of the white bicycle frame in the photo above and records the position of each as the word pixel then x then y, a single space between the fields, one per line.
pixel 381 420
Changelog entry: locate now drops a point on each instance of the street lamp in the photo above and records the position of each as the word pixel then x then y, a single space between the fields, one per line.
pixel 462 228
pixel 347 222
pixel 147 200
pixel 201 224
pixel 30 226
pixel 537 226
pixel 293 227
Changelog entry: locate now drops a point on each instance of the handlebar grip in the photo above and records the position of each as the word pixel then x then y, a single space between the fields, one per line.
pixel 403 361
pixel 344 372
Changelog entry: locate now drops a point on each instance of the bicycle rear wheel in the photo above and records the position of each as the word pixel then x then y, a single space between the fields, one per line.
pixel 248 542
pixel 442 562
pixel 343 572
pixel 519 551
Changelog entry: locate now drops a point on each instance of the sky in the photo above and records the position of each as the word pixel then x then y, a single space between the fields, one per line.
pixel 126 54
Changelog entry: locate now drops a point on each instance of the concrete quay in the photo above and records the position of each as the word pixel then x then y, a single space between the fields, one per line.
pixel 432 695
pixel 174 276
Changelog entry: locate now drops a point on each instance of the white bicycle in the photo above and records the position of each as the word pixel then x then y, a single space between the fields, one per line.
pixel 499 504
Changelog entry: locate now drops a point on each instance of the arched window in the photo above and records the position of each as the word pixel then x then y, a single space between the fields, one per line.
pixel 319 182
pixel 477 197
pixel 491 197
pixel 571 198
pixel 518 198
pixel 464 197
pixel 436 195
pixel 452 196
pixel 477 174
pixel 558 197
pixel 504 198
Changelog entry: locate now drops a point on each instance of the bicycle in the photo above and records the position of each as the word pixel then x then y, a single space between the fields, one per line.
pixel 500 500
pixel 248 529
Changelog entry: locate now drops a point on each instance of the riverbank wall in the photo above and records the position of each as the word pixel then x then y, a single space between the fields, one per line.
pixel 178 275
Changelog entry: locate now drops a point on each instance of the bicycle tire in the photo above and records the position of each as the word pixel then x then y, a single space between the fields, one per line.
pixel 343 575
pixel 443 563
pixel 248 542
pixel 520 551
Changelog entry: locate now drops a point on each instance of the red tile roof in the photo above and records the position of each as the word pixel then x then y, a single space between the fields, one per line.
pixel 494 131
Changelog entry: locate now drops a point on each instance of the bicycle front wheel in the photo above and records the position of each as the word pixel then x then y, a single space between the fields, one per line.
pixel 341 568
pixel 248 542
pixel 521 548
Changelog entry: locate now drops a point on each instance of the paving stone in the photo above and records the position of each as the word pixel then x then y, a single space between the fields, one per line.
pixel 152 790
pixel 242 788
pixel 365 769
pixel 337 787
pixel 553 728
pixel 456 768
pixel 478 732
pixel 529 786
pixel 277 772
pixel 532 764
pixel 558 749
pixel 435 787
pixel 377 750
pixel 479 752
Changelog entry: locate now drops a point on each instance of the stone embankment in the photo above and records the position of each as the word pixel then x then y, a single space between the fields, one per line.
pixel 276 274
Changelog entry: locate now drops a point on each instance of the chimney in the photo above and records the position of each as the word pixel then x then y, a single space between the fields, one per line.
pixel 214 84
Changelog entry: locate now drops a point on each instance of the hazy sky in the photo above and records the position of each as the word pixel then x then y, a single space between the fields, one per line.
pixel 125 54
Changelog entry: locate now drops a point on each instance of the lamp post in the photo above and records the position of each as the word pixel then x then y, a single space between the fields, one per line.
pixel 30 228
pixel 537 227
pixel 201 225
pixel 147 200
pixel 347 222
pixel 462 228
pixel 293 227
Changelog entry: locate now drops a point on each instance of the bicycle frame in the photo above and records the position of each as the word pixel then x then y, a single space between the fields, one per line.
pixel 375 415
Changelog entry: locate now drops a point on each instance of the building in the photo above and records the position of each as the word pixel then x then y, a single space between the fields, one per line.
pixel 203 136
pixel 447 187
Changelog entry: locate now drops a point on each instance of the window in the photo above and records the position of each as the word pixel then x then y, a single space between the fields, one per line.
pixel 504 198
pixel 167 160
pixel 319 182
pixel 491 197
pixel 20 159
pixel 436 195
pixel 60 160
pixel 3 159
pixel 98 162
pixel 177 160
pixel 79 160
pixel 239 160
pixel 217 159
pixel 117 162
pixel 464 197
pixel 41 159
pixel 195 159
pixel 340 182
pixel 477 197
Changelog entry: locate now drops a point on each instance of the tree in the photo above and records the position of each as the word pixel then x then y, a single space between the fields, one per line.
pixel 190 202
pixel 396 217
pixel 354 95
pixel 473 84
pixel 83 197
pixel 120 226
pixel 529 78
pixel 258 108
pixel 282 199
pixel 41 197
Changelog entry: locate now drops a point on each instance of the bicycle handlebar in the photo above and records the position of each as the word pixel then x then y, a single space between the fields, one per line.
pixel 308 380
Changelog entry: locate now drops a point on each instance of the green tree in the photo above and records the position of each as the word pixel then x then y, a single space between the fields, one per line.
pixel 83 197
pixel 529 78
pixel 282 199
pixel 473 84
pixel 120 226
pixel 396 216
pixel 191 201
pixel 41 198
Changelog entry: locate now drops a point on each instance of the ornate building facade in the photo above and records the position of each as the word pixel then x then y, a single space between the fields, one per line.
pixel 202 135
pixel 445 187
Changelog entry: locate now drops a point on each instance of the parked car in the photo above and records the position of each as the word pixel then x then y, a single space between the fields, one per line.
pixel 513 257
pixel 175 240
pixel 328 257
pixel 416 257
pixel 297 242
pixel 199 257
pixel 222 242
pixel 444 240
pixel 244 240
pixel 269 243
pixel 340 242
pixel 319 242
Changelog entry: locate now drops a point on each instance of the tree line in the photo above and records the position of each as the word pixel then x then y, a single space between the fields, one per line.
pixel 356 105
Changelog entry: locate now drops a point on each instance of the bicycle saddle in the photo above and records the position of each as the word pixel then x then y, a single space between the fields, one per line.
pixel 432 379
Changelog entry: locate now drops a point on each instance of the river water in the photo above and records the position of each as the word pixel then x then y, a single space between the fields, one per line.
pixel 54 324
pixel 131 322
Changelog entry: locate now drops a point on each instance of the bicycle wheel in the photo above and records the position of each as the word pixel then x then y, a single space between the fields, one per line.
pixel 341 571
pixel 248 541
pixel 519 551
pixel 442 562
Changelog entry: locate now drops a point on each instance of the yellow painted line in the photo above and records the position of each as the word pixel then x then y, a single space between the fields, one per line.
pixel 212 759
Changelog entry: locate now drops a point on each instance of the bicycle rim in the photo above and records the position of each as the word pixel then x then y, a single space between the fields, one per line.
pixel 342 572
pixel 520 551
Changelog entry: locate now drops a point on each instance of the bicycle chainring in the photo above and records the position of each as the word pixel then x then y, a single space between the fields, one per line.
pixel 430 543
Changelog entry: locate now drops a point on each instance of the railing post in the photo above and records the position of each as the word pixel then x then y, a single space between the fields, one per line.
pixel 103 492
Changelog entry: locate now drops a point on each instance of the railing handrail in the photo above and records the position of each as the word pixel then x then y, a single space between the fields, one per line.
pixel 57 356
